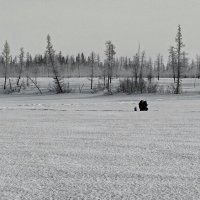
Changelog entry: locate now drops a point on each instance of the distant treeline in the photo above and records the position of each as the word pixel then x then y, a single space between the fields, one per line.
pixel 79 66
pixel 59 66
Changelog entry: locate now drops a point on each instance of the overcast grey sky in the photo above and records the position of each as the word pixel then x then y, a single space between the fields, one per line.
pixel 84 25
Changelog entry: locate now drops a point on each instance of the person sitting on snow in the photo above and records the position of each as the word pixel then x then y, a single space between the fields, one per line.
pixel 143 105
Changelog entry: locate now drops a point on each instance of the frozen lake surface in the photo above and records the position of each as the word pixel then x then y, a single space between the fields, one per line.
pixel 84 146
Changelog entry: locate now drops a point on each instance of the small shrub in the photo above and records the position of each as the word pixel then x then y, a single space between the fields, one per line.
pixel 152 88
pixel 107 92
pixel 161 89
pixel 128 86
pixel 100 86
pixel 68 89
pixel 171 89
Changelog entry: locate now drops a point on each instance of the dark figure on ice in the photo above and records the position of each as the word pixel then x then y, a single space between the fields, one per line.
pixel 143 105
pixel 135 109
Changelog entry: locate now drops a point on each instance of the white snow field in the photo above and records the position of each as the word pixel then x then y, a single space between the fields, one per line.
pixel 77 85
pixel 91 146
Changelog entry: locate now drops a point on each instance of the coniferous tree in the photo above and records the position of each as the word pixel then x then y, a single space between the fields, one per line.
pixel 92 63
pixel 82 59
pixel 21 64
pixel 184 63
pixel 172 61
pixel 141 78
pixel 51 60
pixel 198 66
pixel 136 66
pixel 78 62
pixel 109 52
pixel 179 46
pixel 6 60
pixel 150 71
pixel 158 65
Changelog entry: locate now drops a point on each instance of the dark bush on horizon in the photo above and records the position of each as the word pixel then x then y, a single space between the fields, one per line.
pixel 129 86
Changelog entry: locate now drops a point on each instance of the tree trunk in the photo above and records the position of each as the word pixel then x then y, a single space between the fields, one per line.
pixel 4 87
pixel 5 80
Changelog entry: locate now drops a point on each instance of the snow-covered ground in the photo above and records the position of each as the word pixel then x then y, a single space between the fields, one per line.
pixel 82 85
pixel 91 146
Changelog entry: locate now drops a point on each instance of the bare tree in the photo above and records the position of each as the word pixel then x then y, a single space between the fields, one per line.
pixel 27 68
pixel 21 63
pixel 51 60
pixel 6 59
pixel 36 85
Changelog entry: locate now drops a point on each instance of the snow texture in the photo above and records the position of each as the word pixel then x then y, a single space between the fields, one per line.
pixel 72 146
